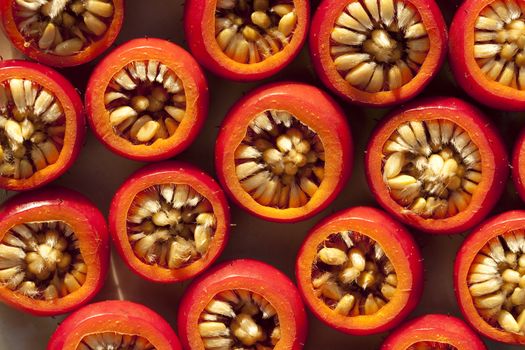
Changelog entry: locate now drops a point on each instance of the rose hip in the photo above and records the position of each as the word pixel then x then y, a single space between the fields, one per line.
pixel 378 53
pixel 169 221
pixel 147 100
pixel 518 165
pixel 246 41
pixel 437 332
pixel 114 324
pixel 284 152
pixel 239 304
pixel 62 33
pixel 54 251
pixel 437 164
pixel 359 271
pixel 486 52
pixel 489 276
pixel 42 125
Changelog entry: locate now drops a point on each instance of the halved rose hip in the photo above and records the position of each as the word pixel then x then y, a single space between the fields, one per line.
pixel 242 304
pixel 62 33
pixel 359 271
pixel 42 125
pixel 284 152
pixel 489 278
pixel 147 100
pixel 438 165
pixel 434 332
pixel 518 165
pixel 246 40
pixel 378 52
pixel 54 251
pixel 169 221
pixel 487 54
pixel 114 324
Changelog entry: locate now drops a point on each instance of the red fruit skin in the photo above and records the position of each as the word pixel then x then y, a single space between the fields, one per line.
pixel 106 313
pixel 303 97
pixel 58 199
pixel 74 102
pixel 495 226
pixel 396 241
pixel 480 88
pixel 9 28
pixel 433 327
pixel 323 18
pixel 479 124
pixel 244 274
pixel 518 165
pixel 195 25
pixel 144 46
pixel 165 169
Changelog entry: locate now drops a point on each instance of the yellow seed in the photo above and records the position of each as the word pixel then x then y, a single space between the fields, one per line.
pixel 139 103
pixel 282 9
pixel 95 25
pixel 344 305
pixel 69 47
pixel 48 36
pixel 148 131
pixel 287 23
pixel 261 19
pixel 99 8
pixel 332 256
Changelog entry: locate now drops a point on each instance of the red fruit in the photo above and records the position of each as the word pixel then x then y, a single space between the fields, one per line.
pixel 169 221
pixel 488 278
pixel 438 165
pixel 482 56
pixel 147 100
pixel 249 43
pixel 284 152
pixel 434 332
pixel 54 251
pixel 518 166
pixel 43 125
pixel 116 323
pixel 66 35
pixel 378 55
pixel 360 271
pixel 271 309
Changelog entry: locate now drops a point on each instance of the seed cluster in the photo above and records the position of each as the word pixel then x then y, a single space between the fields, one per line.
pixel 252 31
pixel 499 46
pixel 428 345
pixel 352 274
pixel 432 167
pixel 239 319
pixel 114 341
pixel 379 45
pixel 42 260
pixel 32 127
pixel 63 27
pixel 146 102
pixel 280 161
pixel 171 225
pixel 496 281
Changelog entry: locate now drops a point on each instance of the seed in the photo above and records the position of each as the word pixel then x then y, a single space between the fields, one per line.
pixel 247 330
pixel 220 308
pixel 121 114
pixel 213 329
pixel 261 19
pixel 99 8
pixel 349 275
pixel 490 301
pixel 486 287
pixel 507 322
pixel 48 36
pixel 287 23
pixel 344 305
pixel 282 9
pixel 69 47
pixel 332 256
